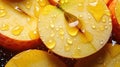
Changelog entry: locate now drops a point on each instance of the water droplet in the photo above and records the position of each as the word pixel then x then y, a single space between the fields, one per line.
pixel 61 32
pixel 51 44
pixel 67 47
pixel 37 11
pixel 52 25
pixel 2 12
pixel 4 27
pixel 28 4
pixel 69 41
pixel 73 31
pixel 101 42
pixel 104 20
pixel 80 16
pixel 17 30
pixel 93 27
pixel 34 34
pixel 107 12
pixel 80 7
pixel 42 3
pixel 63 1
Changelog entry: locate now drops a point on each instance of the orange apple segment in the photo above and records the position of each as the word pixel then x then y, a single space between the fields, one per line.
pixel 18 30
pixel 107 57
pixel 34 58
pixel 117 11
pixel 90 35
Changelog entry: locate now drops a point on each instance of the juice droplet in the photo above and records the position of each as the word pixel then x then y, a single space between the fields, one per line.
pixel 67 47
pixel 4 27
pixel 28 4
pixel 69 41
pixel 52 24
pixel 93 9
pixel 37 10
pixel 61 32
pixel 2 12
pixel 107 12
pixel 34 34
pixel 17 30
pixel 80 6
pixel 42 3
pixel 51 44
pixel 104 20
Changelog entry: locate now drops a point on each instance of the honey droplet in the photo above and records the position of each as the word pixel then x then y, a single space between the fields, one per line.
pixel 93 9
pixel 69 41
pixel 33 34
pixel 67 47
pixel 51 44
pixel 28 4
pixel 4 27
pixel 17 30
pixel 42 3
pixel 2 12
pixel 37 11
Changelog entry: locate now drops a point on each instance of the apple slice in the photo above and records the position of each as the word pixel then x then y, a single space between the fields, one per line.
pixel 114 8
pixel 34 58
pixel 18 30
pixel 107 57
pixel 67 40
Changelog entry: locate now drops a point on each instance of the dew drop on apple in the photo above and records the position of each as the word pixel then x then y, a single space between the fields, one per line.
pixel 34 34
pixel 67 47
pixel 17 30
pixel 51 43
pixel 73 31
pixel 42 3
pixel 4 27
pixel 69 41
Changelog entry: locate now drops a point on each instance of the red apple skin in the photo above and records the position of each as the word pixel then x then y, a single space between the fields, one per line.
pixel 116 25
pixel 52 2
pixel 18 45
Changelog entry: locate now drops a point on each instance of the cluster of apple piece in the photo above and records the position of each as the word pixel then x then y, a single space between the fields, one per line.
pixel 25 24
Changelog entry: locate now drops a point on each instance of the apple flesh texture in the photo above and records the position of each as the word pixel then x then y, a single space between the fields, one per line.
pixel 109 56
pixel 35 58
pixel 18 31
pixel 68 41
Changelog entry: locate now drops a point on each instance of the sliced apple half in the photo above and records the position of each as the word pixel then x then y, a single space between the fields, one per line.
pixel 107 57
pixel 77 39
pixel 34 58
pixel 18 30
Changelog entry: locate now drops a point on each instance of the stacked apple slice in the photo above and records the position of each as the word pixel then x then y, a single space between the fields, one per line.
pixel 34 58
pixel 18 26
pixel 66 39
pixel 109 56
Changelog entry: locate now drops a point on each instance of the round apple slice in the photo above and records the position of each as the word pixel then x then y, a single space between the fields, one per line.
pixel 34 58
pixel 107 57
pixel 77 39
pixel 18 30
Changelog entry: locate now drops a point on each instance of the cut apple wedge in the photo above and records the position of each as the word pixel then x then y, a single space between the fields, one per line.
pixel 34 58
pixel 80 38
pixel 18 30
pixel 107 57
